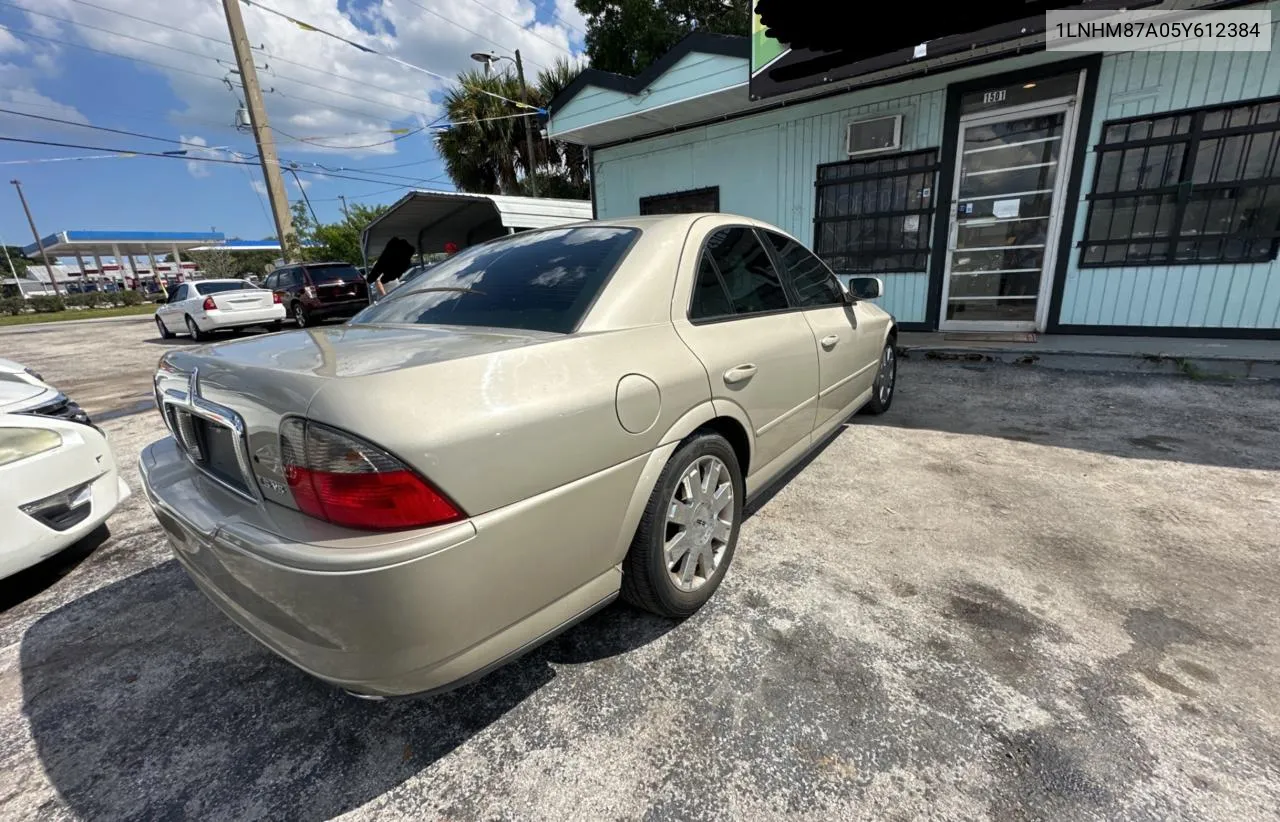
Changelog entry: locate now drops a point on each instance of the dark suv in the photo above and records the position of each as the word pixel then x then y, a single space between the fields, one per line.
pixel 312 292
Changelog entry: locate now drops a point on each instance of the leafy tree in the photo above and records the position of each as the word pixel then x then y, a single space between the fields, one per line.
pixel 485 150
pixel 331 241
pixel 20 262
pixel 625 36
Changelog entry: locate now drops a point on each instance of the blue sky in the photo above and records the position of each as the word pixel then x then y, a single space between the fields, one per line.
pixel 332 101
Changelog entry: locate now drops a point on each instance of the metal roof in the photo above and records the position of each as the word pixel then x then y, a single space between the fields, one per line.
pixel 429 219
pixel 246 245
pixel 67 243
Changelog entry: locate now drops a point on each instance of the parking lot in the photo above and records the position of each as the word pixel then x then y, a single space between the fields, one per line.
pixel 1021 594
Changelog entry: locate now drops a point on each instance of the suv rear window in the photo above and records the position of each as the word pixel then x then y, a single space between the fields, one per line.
pixel 538 281
pixel 320 274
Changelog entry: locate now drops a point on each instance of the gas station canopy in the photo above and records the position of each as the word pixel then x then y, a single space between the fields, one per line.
pixel 429 219
pixel 122 243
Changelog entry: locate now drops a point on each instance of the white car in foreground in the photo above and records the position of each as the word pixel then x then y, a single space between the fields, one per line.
pixel 58 482
pixel 201 307
pixel 24 391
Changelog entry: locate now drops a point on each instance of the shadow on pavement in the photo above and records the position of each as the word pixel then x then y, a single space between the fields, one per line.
pixel 146 702
pixel 1154 417
pixel 35 580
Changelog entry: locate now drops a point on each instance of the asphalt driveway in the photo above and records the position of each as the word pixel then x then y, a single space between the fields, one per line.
pixel 1019 595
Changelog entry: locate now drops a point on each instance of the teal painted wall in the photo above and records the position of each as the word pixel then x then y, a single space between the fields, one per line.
pixel 693 75
pixel 766 165
pixel 1194 296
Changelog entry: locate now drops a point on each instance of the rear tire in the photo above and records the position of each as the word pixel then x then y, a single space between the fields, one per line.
pixel 689 529
pixel 165 333
pixel 194 330
pixel 882 390
pixel 300 315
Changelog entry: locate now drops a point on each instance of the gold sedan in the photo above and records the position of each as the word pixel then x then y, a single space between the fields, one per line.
pixel 531 428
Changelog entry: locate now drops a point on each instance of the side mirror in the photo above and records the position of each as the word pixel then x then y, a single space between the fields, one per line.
pixel 866 288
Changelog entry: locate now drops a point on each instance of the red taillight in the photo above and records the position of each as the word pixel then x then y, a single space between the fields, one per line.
pixel 340 479
pixel 275 298
pixel 209 304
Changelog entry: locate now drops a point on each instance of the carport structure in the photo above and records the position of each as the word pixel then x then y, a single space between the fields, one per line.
pixel 429 219
pixel 123 246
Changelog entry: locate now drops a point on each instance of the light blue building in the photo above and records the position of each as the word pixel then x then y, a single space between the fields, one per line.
pixel 1008 188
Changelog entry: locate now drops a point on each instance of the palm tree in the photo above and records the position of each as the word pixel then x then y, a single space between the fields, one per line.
pixel 484 147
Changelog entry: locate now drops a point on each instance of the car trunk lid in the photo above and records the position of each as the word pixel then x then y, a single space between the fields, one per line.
pixel 242 299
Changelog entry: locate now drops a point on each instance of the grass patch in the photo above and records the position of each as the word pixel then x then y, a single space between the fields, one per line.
pixel 77 314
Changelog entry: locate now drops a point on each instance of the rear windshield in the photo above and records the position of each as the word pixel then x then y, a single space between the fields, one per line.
pixel 332 273
pixel 538 281
pixel 213 288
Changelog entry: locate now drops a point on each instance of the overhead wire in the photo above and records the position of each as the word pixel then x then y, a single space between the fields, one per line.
pixel 470 31
pixel 180 50
pixel 305 26
pixel 520 26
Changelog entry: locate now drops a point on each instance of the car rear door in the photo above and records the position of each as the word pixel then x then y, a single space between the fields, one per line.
pixel 172 310
pixel 734 314
pixel 847 352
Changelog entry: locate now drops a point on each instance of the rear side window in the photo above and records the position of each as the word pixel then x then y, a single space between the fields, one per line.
pixel 709 297
pixel 810 278
pixel 214 288
pixel 746 271
pixel 538 281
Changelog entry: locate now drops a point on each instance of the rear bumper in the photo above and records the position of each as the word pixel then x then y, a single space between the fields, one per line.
pixel 383 615
pixel 217 318
pixel 328 311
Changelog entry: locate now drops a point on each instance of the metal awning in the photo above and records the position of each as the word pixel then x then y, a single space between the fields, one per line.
pixel 127 243
pixel 429 219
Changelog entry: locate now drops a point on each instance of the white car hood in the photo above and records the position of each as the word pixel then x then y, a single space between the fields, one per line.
pixel 18 394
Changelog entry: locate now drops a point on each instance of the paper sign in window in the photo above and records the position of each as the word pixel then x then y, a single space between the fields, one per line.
pixel 1005 209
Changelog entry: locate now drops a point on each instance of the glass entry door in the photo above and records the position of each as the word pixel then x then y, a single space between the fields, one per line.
pixel 1011 173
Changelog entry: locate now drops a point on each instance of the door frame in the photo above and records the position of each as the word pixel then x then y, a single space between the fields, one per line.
pixel 1090 66
pixel 1067 106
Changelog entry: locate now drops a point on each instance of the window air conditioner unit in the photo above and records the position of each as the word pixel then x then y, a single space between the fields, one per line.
pixel 874 136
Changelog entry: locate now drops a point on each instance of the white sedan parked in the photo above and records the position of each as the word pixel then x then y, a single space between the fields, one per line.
pixel 204 306
pixel 58 482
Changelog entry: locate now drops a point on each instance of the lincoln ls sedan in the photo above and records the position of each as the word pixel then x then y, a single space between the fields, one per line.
pixel 532 428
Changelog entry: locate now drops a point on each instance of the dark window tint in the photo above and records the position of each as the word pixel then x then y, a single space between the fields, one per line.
pixel 538 280
pixel 1203 186
pixel 709 297
pixel 179 295
pixel 682 202
pixel 811 280
pixel 321 274
pixel 215 288
pixel 877 215
pixel 746 270
pixel 292 278
pixel 270 282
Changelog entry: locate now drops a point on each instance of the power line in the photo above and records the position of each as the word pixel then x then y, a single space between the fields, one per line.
pixel 455 23
pixel 312 140
pixel 305 26
pixel 106 129
pixel 520 26
pixel 181 50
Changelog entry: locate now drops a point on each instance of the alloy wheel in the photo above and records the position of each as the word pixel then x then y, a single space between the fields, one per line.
pixel 699 523
pixel 887 375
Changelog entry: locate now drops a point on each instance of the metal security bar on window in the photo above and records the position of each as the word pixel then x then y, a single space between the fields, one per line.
pixel 876 215
pixel 1197 186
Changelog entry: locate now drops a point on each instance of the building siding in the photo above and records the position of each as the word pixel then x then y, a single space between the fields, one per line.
pixel 1187 296
pixel 766 166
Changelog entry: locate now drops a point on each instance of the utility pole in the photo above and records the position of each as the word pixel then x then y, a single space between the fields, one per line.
pixel 44 255
pixel 261 126
pixel 345 212
pixel 529 122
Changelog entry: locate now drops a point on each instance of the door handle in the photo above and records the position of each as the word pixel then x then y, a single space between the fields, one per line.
pixel 829 341
pixel 739 373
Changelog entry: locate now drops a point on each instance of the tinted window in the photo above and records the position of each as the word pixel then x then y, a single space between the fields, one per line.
pixel 810 278
pixel 292 278
pixel 539 280
pixel 709 297
pixel 179 295
pixel 746 270
pixel 270 282
pixel 321 274
pixel 214 288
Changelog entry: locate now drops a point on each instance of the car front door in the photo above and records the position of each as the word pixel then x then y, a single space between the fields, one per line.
pixel 848 343
pixel 732 311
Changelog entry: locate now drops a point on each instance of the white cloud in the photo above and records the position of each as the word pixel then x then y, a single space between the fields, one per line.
pixel 576 21
pixel 195 167
pixel 258 186
pixel 340 100
pixel 10 44
pixel 18 93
